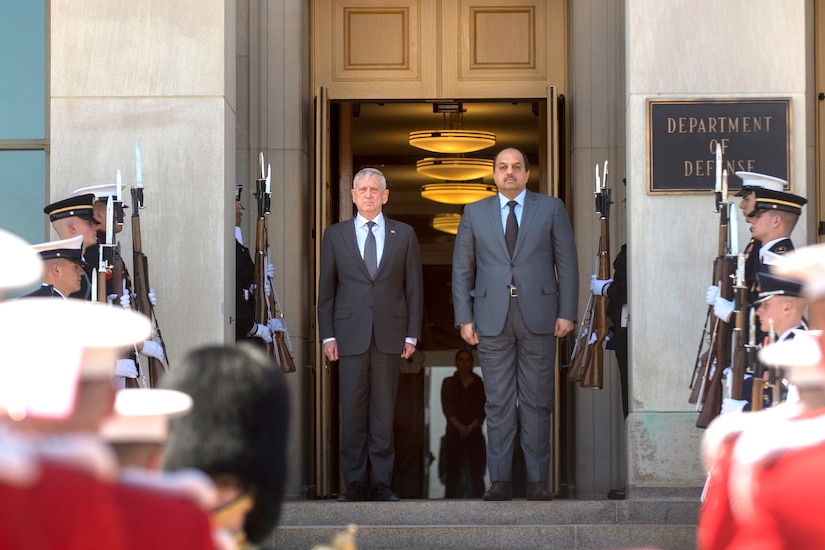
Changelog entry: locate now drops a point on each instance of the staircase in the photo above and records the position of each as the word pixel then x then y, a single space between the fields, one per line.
pixel 655 522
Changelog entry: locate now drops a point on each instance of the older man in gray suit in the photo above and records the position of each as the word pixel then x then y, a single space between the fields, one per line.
pixel 515 288
pixel 370 306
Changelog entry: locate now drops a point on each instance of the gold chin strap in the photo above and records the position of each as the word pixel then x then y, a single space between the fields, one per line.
pixel 232 506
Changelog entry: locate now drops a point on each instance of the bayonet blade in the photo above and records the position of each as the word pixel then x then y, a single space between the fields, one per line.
pixel 138 165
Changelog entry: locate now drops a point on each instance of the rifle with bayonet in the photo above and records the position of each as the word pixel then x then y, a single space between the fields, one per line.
pixel 698 381
pixel 110 281
pixel 718 355
pixel 588 353
pixel 267 305
pixel 140 279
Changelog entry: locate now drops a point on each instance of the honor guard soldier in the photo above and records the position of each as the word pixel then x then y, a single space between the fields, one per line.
pixel 245 326
pixel 74 501
pixel 75 216
pixel 63 267
pixel 779 308
pixel 66 500
pixel 772 215
pixel 765 481
pixel 751 181
pixel 236 433
pixel 126 371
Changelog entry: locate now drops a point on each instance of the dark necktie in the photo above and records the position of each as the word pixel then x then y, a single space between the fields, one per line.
pixel 511 232
pixel 370 252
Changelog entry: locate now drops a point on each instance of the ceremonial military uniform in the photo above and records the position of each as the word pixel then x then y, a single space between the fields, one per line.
pixel 66 249
pixel 244 295
pixel 80 206
pixel 45 291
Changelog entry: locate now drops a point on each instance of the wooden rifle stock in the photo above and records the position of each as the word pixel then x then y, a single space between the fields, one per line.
pixel 740 350
pixel 587 364
pixel 593 374
pixel 711 401
pixel 267 307
pixel 142 303
pixel 280 337
pixel 261 316
pixel 758 389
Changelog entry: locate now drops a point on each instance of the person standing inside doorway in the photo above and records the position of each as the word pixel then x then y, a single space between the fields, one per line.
pixel 462 399
pixel 515 290
pixel 370 307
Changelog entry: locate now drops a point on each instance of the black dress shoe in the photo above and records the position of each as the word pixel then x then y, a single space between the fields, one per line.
pixel 383 493
pixel 354 493
pixel 537 490
pixel 498 491
pixel 616 494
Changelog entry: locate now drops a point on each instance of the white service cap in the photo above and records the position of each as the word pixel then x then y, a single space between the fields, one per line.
pixel 754 179
pixel 142 415
pixel 101 191
pixel 48 344
pixel 807 265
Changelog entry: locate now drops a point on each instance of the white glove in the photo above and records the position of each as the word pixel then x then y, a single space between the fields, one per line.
pixel 262 332
pixel 732 405
pixel 722 308
pixel 110 299
pixel 152 298
pixel 126 368
pixel 153 349
pixel 267 287
pixel 125 296
pixel 270 269
pixel 276 325
pixel 599 287
pixel 711 294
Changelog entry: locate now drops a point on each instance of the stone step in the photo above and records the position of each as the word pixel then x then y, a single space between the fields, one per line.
pixel 457 524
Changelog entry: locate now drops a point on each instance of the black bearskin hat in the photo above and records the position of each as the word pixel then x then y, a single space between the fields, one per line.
pixel 237 426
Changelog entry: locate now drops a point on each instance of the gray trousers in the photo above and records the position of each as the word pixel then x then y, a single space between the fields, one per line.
pixel 518 370
pixel 368 385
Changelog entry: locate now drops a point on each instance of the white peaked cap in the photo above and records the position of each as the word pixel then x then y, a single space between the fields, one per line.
pixel 20 266
pixel 801 357
pixel 807 265
pixel 101 191
pixel 48 344
pixel 70 248
pixel 754 179
pixel 142 415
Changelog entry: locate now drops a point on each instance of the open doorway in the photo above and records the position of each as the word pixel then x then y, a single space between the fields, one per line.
pixel 376 134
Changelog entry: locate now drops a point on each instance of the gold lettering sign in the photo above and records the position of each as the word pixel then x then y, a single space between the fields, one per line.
pixel 682 136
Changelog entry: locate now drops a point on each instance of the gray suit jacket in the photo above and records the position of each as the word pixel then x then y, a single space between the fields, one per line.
pixel 544 267
pixel 351 306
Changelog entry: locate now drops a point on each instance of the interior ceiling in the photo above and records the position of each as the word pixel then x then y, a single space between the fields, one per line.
pixel 380 133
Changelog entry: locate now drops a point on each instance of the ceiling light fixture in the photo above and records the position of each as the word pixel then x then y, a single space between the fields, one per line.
pixel 455 168
pixel 452 141
pixel 457 192
pixel 453 138
pixel 448 223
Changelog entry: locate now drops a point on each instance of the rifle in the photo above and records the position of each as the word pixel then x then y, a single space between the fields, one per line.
pixel 268 307
pixel 141 284
pixel 588 359
pixel 756 366
pixel 740 331
pixel 709 400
